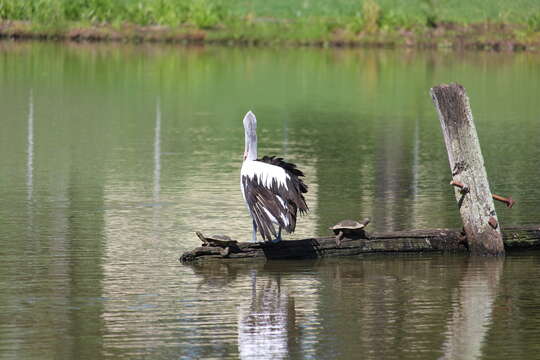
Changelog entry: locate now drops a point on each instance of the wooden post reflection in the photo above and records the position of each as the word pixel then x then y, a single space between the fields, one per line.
pixel 157 168
pixel 30 149
pixel 157 152
pixel 472 310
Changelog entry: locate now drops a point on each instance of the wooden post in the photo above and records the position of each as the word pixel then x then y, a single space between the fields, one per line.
pixel 468 173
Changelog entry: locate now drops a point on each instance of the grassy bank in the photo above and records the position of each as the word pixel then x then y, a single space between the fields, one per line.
pixel 423 23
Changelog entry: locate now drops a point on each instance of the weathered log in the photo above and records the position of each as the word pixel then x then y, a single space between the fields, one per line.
pixel 414 241
pixel 467 165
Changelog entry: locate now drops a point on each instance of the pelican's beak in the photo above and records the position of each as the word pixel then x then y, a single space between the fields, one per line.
pixel 250 126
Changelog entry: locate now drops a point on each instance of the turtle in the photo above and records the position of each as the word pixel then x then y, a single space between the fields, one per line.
pixel 349 228
pixel 222 241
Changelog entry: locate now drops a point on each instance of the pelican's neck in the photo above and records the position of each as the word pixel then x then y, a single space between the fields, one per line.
pixel 251 148
pixel 250 129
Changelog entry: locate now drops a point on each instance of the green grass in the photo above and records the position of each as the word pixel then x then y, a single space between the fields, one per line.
pixel 299 20
pixel 208 13
pixel 201 13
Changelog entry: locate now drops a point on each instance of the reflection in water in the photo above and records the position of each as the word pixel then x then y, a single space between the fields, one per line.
pixel 157 166
pixel 380 307
pixel 250 310
pixel 157 151
pixel 30 164
pixel 30 148
pixel 415 162
pixel 92 172
pixel 472 310
pixel 265 327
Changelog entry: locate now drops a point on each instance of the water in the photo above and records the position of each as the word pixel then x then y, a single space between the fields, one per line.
pixel 112 156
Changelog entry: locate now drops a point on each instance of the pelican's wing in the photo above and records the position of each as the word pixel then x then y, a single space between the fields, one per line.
pixel 273 196
pixel 295 185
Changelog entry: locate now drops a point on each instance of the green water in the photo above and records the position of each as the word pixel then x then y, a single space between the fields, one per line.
pixel 112 156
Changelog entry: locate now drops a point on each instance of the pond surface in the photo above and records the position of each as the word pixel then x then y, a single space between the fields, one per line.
pixel 112 156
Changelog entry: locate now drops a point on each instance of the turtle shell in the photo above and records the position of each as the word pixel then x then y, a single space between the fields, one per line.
pixel 219 237
pixel 215 240
pixel 350 224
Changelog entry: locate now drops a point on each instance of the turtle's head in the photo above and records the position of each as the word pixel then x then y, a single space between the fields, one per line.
pixel 250 129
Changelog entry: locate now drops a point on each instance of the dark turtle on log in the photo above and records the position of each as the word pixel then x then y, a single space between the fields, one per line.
pixel 222 241
pixel 349 228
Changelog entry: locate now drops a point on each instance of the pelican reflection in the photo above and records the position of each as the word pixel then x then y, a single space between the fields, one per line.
pixel 267 325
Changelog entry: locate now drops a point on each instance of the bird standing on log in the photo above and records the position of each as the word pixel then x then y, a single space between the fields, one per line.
pixel 271 187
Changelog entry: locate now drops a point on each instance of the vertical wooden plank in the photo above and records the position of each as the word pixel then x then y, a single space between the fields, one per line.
pixel 467 166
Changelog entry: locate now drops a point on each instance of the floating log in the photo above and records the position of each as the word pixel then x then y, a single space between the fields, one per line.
pixel 414 241
pixel 468 172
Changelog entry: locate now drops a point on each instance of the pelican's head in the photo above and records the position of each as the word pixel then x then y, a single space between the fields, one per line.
pixel 250 129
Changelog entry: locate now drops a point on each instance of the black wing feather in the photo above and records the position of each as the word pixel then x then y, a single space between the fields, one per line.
pixel 263 201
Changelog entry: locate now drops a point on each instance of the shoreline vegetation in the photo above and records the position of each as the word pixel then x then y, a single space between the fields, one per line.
pixel 457 24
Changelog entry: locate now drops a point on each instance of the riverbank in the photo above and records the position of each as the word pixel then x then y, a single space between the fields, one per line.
pixel 480 36
pixel 460 24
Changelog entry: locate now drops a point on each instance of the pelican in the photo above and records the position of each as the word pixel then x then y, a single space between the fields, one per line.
pixel 272 188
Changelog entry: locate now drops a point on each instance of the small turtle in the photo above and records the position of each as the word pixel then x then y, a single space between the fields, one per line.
pixel 349 228
pixel 222 241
